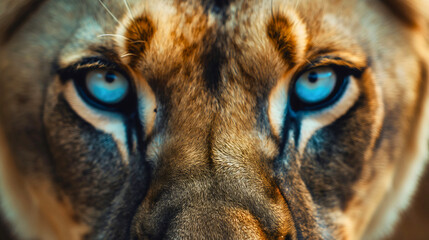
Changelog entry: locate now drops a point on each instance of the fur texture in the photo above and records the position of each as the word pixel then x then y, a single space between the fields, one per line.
pixel 208 147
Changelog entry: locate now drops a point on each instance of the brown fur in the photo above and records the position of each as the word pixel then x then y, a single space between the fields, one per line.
pixel 279 31
pixel 210 148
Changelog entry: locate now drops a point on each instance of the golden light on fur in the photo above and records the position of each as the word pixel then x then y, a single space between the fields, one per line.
pixel 232 119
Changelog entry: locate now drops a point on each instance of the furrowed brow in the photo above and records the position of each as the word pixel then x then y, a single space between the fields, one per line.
pixel 289 37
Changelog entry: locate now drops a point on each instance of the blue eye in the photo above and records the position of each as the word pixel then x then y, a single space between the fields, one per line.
pixel 315 85
pixel 318 87
pixel 107 87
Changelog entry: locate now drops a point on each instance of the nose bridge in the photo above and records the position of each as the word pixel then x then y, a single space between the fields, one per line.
pixel 211 179
pixel 215 188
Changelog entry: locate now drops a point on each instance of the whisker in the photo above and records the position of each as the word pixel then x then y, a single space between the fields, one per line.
pixel 296 4
pixel 128 54
pixel 111 14
pixel 129 10
pixel 114 35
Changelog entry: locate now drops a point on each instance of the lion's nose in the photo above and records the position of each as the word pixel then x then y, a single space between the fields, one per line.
pixel 215 223
pixel 204 220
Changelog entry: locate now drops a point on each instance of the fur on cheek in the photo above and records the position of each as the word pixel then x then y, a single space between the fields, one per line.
pixel 32 204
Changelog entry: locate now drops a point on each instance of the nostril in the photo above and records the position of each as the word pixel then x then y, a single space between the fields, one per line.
pixel 288 236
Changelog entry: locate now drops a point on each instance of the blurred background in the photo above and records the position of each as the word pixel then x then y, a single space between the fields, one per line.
pixel 414 223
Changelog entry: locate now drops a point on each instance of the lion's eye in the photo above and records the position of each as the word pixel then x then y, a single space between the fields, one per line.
pixel 315 85
pixel 107 87
pixel 317 88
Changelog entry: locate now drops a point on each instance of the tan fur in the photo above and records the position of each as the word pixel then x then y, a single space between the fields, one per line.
pixel 32 204
pixel 211 148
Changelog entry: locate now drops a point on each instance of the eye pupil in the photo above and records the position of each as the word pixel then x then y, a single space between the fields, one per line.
pixel 110 77
pixel 312 77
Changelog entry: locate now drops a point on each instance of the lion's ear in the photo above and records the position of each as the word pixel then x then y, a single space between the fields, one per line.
pixel 413 13
pixel 13 13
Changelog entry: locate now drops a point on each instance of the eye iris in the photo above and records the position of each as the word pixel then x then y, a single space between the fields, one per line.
pixel 107 86
pixel 315 86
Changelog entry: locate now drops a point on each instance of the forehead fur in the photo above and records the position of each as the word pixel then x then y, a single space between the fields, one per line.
pixel 212 64
pixel 410 12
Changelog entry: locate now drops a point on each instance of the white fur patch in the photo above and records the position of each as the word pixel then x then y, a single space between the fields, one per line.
pixel 299 31
pixel 313 121
pixel 147 104
pixel 108 122
pixel 319 119
pixel 278 105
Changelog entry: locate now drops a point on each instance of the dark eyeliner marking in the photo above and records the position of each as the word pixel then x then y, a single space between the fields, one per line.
pixel 292 121
pixel 129 122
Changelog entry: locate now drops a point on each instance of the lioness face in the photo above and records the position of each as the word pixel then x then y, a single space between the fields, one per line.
pixel 210 119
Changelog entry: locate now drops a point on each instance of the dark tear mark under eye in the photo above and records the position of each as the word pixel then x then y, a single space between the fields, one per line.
pixel 129 123
pixel 139 174
pixel 134 126
pixel 140 169
pixel 292 122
